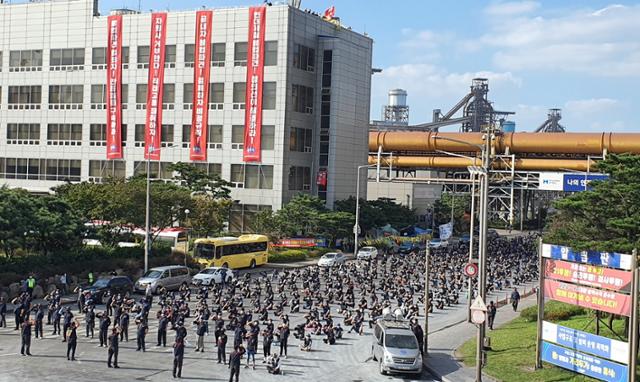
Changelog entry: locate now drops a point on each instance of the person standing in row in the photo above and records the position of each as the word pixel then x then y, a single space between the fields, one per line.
pixel 72 340
pixel 113 348
pixel 57 315
pixel 39 321
pixel 90 321
pixel 178 357
pixel 68 316
pixel 163 322
pixel 3 313
pixel 200 331
pixel 491 314
pixel 25 348
pixel 515 299
pixel 222 345
pixel 235 359
pixel 124 326
pixel 105 322
pixel 284 338
pixel 142 332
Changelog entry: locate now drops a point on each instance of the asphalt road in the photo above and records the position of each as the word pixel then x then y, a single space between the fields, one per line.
pixel 349 360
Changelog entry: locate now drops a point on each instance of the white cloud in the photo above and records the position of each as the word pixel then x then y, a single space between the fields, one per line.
pixel 590 106
pixel 511 8
pixel 604 42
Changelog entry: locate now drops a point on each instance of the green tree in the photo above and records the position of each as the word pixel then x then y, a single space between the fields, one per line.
pixel 606 218
pixel 56 226
pixel 301 216
pixel 198 181
pixel 336 224
pixel 16 217
pixel 265 223
pixel 442 210
pixel 208 215
pixel 378 213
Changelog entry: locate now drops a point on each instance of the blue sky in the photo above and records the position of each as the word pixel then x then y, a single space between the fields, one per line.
pixel 580 56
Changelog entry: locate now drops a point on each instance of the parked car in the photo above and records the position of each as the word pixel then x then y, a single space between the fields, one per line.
pixel 395 347
pixel 367 253
pixel 113 284
pixel 331 259
pixel 437 243
pixel 213 275
pixel 170 277
pixel 408 247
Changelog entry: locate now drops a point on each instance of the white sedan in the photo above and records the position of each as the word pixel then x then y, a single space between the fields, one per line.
pixel 213 275
pixel 331 259
pixel 366 253
pixel 437 243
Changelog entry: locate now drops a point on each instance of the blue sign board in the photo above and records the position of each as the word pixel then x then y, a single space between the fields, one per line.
pixel 586 342
pixel 605 259
pixel 584 364
pixel 579 182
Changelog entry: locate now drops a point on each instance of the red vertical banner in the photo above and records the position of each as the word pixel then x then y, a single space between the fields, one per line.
pixel 153 124
pixel 114 87
pixel 255 74
pixel 201 69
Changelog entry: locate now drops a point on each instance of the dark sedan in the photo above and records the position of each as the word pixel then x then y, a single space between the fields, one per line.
pixel 115 284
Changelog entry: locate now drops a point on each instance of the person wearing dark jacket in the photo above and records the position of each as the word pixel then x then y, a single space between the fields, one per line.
pixel 163 322
pixel 222 344
pixel 72 340
pixel 235 359
pixel 178 357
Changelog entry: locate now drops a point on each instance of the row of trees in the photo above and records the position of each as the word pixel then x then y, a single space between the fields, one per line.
pixel 56 222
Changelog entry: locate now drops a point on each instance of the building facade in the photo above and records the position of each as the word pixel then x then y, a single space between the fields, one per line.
pixel 316 97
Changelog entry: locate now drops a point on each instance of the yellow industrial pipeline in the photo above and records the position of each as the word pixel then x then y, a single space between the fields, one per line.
pixel 511 143
pixel 522 164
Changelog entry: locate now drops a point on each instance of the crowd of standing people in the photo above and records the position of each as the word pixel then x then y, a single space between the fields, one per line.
pixel 264 310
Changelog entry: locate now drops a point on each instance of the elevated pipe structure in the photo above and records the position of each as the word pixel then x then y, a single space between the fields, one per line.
pixel 521 164
pixel 509 143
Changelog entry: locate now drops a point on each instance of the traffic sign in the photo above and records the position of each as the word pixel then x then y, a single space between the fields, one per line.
pixel 478 304
pixel 471 270
pixel 478 311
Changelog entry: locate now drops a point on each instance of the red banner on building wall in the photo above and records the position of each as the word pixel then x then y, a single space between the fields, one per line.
pixel 114 87
pixel 153 125
pixel 255 73
pixel 321 178
pixel 606 301
pixel 589 275
pixel 201 69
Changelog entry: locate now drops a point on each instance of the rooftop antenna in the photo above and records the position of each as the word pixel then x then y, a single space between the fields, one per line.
pixel 140 6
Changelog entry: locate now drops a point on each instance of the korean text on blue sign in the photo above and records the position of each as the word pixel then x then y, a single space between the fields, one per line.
pixel 604 259
pixel 584 364
pixel 578 182
pixel 586 342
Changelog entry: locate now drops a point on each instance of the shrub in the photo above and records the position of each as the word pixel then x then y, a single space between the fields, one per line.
pixel 287 256
pixel 553 311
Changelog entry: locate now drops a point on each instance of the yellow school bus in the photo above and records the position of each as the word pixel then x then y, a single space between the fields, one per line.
pixel 232 252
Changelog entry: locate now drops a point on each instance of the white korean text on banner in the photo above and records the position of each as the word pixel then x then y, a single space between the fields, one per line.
pixel 255 71
pixel 114 87
pixel 201 71
pixel 153 125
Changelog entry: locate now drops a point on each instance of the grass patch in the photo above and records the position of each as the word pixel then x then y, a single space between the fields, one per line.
pixel 512 358
pixel 287 256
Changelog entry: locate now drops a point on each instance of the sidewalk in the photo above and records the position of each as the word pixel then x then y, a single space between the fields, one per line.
pixel 304 263
pixel 442 362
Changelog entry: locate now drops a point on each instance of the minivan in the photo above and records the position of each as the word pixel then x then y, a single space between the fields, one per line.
pixel 170 277
pixel 395 347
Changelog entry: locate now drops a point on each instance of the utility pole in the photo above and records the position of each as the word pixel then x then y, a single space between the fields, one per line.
pixel 426 300
pixel 471 233
pixel 147 218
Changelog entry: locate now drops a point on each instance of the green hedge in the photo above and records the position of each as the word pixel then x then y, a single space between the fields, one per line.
pixel 317 252
pixel 286 256
pixel 83 260
pixel 553 311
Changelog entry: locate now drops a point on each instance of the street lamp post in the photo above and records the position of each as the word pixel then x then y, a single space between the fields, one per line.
pixel 147 217
pixel 356 227
pixel 186 251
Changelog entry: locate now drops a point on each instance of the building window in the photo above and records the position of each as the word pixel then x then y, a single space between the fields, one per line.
pixel 168 96
pixel 98 134
pixel 214 136
pixel 267 135
pixel 269 96
pixel 64 134
pixel 299 178
pixel 304 58
pixel 125 95
pixel 252 176
pixel 239 95
pixel 241 216
pixel 218 54
pixel 99 58
pixel 237 137
pixel 187 96
pixel 300 140
pixel 216 95
pixel 43 169
pixel 23 133
pixel 125 57
pixel 141 96
pixel 189 55
pixel 25 97
pixel 65 96
pixel 170 56
pixel 237 175
pixel 166 136
pixel 143 57
pixel 66 59
pixel 100 169
pixel 270 53
pixel 98 97
pixel 302 99
pixel 210 168
pixel 159 170
pixel 240 54
pixel 25 60
pixel 139 135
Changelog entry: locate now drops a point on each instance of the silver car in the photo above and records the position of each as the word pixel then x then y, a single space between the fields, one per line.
pixel 170 277
pixel 395 347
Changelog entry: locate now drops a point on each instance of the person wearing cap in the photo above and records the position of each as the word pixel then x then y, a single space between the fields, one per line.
pixel 178 357
pixel 235 359
pixel 163 321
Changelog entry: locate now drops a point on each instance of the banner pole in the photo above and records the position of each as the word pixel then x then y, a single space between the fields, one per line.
pixel 540 306
pixel 633 332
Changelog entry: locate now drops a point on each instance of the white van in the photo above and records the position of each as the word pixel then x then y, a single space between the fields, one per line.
pixel 395 347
